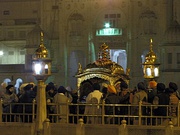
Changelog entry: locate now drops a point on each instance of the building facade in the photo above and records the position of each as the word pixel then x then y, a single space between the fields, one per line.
pixel 74 30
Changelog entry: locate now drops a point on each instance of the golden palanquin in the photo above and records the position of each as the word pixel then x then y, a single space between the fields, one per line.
pixel 103 71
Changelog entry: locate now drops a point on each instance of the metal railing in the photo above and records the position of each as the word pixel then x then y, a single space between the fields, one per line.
pixel 97 113
pixel 18 112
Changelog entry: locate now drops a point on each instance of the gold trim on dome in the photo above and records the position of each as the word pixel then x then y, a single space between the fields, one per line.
pixel 42 52
pixel 151 56
pixel 90 76
pixel 103 56
pixel 102 68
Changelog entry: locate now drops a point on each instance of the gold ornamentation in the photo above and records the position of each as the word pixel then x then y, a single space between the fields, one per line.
pixel 42 52
pixel 127 71
pixel 103 68
pixel 80 68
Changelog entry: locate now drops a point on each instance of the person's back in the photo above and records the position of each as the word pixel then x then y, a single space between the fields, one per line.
pixel 93 98
pixel 162 98
pixel 95 93
pixel 174 99
pixel 152 91
pixel 173 102
pixel 62 100
pixel 124 98
pixel 141 95
pixel 61 108
pixel 27 97
pixel 112 98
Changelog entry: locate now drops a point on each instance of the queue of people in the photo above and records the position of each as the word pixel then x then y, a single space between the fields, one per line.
pixel 155 94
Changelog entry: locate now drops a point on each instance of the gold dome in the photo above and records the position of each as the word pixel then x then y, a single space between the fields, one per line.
pixel 103 64
pixel 151 56
pixel 41 52
pixel 103 68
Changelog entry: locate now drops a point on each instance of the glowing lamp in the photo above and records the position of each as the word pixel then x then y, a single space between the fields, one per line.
pixel 41 65
pixel 151 66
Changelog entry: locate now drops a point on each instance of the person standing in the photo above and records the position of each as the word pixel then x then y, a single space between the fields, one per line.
pixel 73 108
pixel 142 96
pixel 162 98
pixel 62 108
pixel 50 93
pixel 112 98
pixel 96 93
pixel 125 99
pixel 27 97
pixel 174 86
pixel 9 97
pixel 152 91
pixel 95 98
pixel 174 100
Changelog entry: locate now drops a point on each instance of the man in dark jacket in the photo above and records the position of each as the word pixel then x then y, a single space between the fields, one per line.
pixel 113 98
pixel 125 99
pixel 162 98
pixel 28 97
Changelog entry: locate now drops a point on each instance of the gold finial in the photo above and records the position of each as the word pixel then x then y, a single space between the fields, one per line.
pixel 79 68
pixel 41 52
pixel 127 71
pixel 104 51
pixel 104 55
pixel 151 56
pixel 42 38
pixel 151 45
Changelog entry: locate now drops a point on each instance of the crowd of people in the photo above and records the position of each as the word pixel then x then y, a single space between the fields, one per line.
pixel 13 103
pixel 154 94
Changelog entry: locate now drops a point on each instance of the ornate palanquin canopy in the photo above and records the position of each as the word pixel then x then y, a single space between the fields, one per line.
pixel 103 68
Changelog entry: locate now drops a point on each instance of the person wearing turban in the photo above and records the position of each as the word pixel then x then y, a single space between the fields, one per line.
pixel 112 98
pixel 152 84
pixel 152 91
pixel 8 98
pixel 111 89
